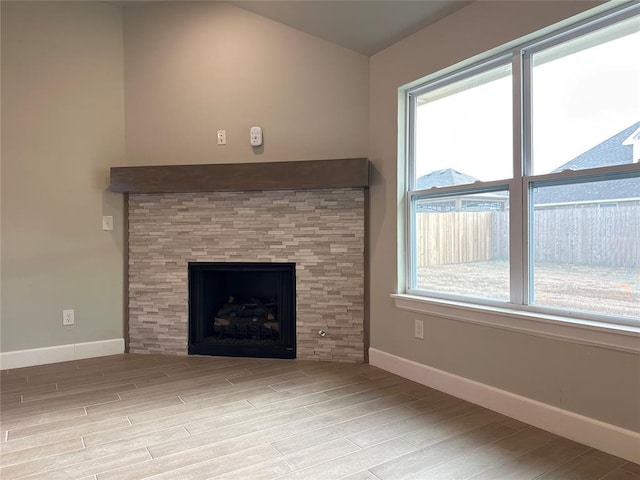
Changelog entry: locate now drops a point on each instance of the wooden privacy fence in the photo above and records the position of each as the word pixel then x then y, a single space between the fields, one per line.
pixel 606 236
pixel 460 237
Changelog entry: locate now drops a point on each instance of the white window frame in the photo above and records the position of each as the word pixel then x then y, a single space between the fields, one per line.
pixel 518 314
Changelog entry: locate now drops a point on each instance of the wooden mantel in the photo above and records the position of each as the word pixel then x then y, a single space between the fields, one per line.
pixel 299 175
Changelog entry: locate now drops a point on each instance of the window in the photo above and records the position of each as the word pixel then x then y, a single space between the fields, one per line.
pixel 524 177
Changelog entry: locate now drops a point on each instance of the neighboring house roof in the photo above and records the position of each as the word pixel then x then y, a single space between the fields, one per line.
pixel 615 150
pixel 611 190
pixel 634 142
pixel 443 178
pixel 634 137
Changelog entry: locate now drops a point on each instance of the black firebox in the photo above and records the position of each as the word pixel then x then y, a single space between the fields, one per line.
pixel 242 309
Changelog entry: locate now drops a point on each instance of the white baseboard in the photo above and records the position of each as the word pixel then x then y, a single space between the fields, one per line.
pixel 60 353
pixel 588 431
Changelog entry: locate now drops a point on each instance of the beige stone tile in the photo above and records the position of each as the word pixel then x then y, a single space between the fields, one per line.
pixel 424 458
pixel 631 467
pixel 235 450
pixel 319 383
pixel 353 462
pixel 268 470
pixel 30 454
pixel 320 453
pixel 350 412
pixel 283 366
pixel 96 453
pixel 7 379
pixel 38 419
pixel 76 426
pixel 93 467
pixel 537 461
pixel 161 424
pixel 132 406
pixel 254 414
pixel 591 465
pixel 165 387
pixel 26 389
pixel 364 475
pixel 229 387
pixel 249 434
pixel 322 231
pixel 45 377
pixel 476 461
pixel 386 431
pixel 359 388
pixel 136 377
pixel 444 410
pixel 282 394
pixel 103 426
pixel 212 468
pixel 208 362
pixel 438 401
pixel 423 436
pixel 10 400
pixel 59 369
pixel 185 408
pixel 191 378
pixel 621 474
pixel 357 398
pixel 315 434
pixel 94 397
pixel 270 397
pixel 375 373
pixel 275 377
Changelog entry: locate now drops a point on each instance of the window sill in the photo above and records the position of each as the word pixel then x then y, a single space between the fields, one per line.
pixel 619 337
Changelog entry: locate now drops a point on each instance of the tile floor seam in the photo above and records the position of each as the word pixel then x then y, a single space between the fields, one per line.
pixel 563 463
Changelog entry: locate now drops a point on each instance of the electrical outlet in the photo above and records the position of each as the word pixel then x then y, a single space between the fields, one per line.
pixel 419 329
pixel 68 317
pixel 222 137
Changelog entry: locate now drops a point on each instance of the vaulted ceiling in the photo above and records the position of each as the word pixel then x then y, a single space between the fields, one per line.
pixel 366 26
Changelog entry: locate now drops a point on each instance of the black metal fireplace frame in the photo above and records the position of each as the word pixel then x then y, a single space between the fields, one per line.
pixel 286 292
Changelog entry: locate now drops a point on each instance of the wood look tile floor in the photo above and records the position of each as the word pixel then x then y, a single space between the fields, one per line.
pixel 139 416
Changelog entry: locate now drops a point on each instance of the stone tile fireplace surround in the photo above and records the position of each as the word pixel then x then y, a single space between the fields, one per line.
pixel 321 230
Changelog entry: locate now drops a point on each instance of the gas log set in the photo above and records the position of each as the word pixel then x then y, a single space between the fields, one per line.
pixel 255 319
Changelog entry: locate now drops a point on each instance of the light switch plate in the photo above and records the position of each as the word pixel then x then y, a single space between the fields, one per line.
pixel 107 222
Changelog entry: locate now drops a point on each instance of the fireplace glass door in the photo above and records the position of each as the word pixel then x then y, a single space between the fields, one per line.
pixel 242 309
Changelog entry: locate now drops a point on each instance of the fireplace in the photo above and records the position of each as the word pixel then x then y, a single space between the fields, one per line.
pixel 311 214
pixel 242 309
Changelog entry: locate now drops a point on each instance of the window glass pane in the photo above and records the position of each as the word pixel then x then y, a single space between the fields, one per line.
pixel 462 244
pixel 463 131
pixel 586 247
pixel 586 101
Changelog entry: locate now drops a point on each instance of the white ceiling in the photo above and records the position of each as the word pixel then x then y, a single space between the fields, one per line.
pixel 366 26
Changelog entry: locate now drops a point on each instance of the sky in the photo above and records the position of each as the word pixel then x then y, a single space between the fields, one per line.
pixel 579 101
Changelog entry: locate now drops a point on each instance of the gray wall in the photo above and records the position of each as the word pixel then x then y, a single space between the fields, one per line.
pixel 597 382
pixel 62 128
pixel 194 68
